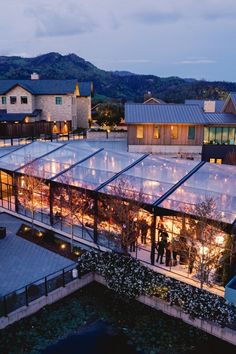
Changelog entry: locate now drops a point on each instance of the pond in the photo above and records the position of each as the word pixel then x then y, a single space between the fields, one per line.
pixel 95 318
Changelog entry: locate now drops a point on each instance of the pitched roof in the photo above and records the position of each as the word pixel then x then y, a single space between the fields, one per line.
pixel 164 113
pixel 220 118
pixel 12 117
pixel 47 87
pixel 218 104
pixel 153 100
pixel 233 97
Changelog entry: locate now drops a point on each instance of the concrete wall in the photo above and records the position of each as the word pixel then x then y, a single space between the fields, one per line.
pixel 170 150
pixel 105 135
pixel 52 297
pixel 18 107
pixel 225 334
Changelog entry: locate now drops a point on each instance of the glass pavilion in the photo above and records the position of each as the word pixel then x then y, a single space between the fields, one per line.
pixel 76 188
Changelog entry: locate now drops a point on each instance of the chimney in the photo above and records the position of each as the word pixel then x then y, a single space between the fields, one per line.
pixel 34 76
pixel 209 106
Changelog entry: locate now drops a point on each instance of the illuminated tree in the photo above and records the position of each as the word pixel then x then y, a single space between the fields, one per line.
pixel 122 209
pixel 33 193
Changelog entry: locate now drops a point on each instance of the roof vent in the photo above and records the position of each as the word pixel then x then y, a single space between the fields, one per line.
pixel 34 76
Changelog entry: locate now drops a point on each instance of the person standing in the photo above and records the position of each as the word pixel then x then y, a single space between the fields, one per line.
pixel 144 231
pixel 160 247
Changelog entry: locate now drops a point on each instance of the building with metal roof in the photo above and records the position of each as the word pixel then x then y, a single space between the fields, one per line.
pixel 185 130
pixel 208 105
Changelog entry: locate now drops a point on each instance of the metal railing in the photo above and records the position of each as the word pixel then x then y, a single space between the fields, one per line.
pixel 35 290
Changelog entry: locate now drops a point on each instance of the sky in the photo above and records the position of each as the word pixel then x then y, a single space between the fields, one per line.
pixel 186 38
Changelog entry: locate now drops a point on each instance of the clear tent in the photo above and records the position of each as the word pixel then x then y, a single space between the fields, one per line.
pixel 26 154
pixel 97 169
pixel 211 180
pixel 142 178
pixel 148 180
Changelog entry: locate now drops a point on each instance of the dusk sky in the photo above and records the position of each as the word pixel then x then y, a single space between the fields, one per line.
pixel 186 38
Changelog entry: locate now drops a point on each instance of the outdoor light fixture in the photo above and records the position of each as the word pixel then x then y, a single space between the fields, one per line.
pixel 63 246
pixel 203 250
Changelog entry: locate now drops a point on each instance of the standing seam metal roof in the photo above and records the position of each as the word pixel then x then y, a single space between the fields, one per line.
pixel 164 113
pixel 220 118
pixel 218 104
pixel 43 87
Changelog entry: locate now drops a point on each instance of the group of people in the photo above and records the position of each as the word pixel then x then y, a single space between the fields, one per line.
pixel 164 247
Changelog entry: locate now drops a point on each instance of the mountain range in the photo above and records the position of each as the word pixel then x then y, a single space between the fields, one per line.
pixel 120 85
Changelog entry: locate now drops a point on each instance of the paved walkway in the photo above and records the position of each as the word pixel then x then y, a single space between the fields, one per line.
pixel 21 261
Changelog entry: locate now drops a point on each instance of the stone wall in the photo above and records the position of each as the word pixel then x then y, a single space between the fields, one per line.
pixel 102 135
pixel 53 112
pixel 83 111
pixel 170 150
pixel 18 107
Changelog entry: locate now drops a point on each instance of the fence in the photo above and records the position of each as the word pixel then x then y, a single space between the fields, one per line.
pixel 41 287
pixel 54 137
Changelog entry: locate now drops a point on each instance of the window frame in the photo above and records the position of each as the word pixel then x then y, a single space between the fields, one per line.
pixel 4 100
pixel 139 132
pixel 191 136
pixel 22 98
pixel 13 98
pixel 158 129
pixel 58 100
pixel 172 128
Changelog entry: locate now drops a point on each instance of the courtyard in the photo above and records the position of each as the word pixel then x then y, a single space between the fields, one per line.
pixel 23 262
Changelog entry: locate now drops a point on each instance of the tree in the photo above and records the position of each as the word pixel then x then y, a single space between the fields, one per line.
pixel 33 193
pixel 74 205
pixel 121 210
pixel 109 114
pixel 204 240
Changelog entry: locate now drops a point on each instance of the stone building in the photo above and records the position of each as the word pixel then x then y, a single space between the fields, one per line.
pixel 67 102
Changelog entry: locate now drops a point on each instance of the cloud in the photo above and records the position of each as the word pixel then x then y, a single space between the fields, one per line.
pixel 196 62
pixel 156 17
pixel 64 19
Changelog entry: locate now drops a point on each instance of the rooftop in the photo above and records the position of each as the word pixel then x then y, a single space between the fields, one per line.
pixel 175 184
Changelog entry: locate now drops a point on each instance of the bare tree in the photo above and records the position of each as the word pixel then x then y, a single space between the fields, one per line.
pixel 204 239
pixel 75 205
pixel 121 209
pixel 33 193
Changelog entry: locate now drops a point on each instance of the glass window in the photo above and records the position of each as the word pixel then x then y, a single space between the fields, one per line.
pixel 24 99
pixel 219 161
pixel 225 136
pixel 212 135
pixel 4 100
pixel 13 99
pixel 218 135
pixel 58 100
pixel 156 133
pixel 174 131
pixel 212 160
pixel 191 133
pixel 232 136
pixel 139 132
pixel 206 135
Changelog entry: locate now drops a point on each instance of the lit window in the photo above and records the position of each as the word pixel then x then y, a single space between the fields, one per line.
pixel 4 100
pixel 58 100
pixel 219 161
pixel 191 133
pixel 156 133
pixel 174 131
pixel 212 160
pixel 13 99
pixel 24 99
pixel 139 132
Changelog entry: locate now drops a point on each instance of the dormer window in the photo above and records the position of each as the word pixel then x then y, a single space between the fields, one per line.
pixel 4 100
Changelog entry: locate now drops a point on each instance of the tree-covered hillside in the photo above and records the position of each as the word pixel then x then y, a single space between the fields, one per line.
pixel 118 85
